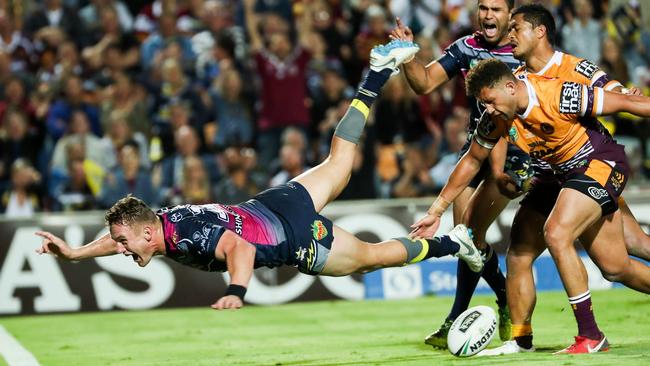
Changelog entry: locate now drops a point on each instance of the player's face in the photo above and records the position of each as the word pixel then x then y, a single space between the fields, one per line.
pixel 134 241
pixel 522 37
pixel 493 16
pixel 499 101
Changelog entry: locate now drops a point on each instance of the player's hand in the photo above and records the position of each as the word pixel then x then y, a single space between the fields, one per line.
pixel 228 302
pixel 401 32
pixel 507 186
pixel 632 91
pixel 426 227
pixel 54 245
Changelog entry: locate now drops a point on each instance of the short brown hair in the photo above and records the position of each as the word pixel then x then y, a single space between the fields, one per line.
pixel 129 210
pixel 486 74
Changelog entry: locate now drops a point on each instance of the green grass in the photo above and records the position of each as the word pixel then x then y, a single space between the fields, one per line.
pixel 318 333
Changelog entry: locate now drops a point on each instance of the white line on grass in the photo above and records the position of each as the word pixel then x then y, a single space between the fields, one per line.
pixel 13 352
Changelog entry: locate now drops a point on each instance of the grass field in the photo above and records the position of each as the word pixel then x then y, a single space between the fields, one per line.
pixel 318 333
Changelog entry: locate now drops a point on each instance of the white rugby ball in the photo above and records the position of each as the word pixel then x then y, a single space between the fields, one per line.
pixel 472 331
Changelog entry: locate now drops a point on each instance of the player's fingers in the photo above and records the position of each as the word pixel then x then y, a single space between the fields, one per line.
pixel 399 23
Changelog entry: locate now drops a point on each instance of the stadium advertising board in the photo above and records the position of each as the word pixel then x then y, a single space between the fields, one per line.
pixel 32 283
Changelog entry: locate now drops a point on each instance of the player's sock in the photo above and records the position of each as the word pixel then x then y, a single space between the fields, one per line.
pixel 523 335
pixel 420 249
pixel 493 275
pixel 583 311
pixel 465 286
pixel 351 125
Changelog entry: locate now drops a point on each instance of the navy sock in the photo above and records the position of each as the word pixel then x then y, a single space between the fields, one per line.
pixel 494 277
pixel 465 286
pixel 442 246
pixel 371 85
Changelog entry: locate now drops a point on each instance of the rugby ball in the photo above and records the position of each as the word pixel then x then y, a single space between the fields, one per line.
pixel 472 331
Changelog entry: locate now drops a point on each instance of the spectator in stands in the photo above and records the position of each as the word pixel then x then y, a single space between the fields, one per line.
pixel 195 188
pixel 110 41
pixel 238 184
pixel 68 63
pixel 233 116
pixel 280 66
pixel 374 32
pixel 15 99
pixel 51 23
pixel 397 117
pixel 75 194
pixel 128 177
pixel 16 44
pixel 121 97
pixel 292 164
pixel 118 133
pixel 16 142
pixel 582 35
pixel 151 52
pixel 90 14
pixel 21 198
pixel 455 134
pixel 612 61
pixel 414 180
pixel 61 110
pixel 79 129
pixel 187 144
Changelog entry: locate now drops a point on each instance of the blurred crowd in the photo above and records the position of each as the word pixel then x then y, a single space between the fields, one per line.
pixel 198 101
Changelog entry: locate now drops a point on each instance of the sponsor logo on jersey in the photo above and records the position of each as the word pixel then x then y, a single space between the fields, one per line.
pixel 586 68
pixel 597 193
pixel 318 230
pixel 570 98
pixel 512 133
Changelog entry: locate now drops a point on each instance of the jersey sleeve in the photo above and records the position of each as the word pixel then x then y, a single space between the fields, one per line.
pixel 595 76
pixel 581 99
pixel 453 59
pixel 487 132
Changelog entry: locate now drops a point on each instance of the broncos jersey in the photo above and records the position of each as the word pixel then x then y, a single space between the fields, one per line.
pixel 464 54
pixel 571 68
pixel 550 129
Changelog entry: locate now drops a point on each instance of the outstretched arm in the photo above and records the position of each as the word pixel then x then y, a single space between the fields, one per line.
pixel 616 102
pixel 468 166
pixel 240 259
pixel 56 246
pixel 423 79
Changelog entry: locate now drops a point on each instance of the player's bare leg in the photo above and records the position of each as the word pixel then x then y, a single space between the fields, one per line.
pixel 349 254
pixel 327 180
pixel 526 244
pixel 637 241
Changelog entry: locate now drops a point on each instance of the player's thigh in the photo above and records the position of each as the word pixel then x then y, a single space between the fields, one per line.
pixel 604 243
pixel 572 214
pixel 483 208
pixel 527 234
pixel 347 255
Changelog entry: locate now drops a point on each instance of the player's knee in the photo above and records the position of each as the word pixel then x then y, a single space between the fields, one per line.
pixel 557 238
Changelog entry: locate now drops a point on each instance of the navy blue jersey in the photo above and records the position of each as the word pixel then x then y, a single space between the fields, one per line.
pixel 464 54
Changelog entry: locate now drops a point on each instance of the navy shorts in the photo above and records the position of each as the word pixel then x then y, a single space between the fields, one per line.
pixel 515 155
pixel 309 234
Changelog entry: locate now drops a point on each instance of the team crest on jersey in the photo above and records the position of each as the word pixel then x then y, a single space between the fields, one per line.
pixel 617 179
pixel 570 98
pixel 512 133
pixel 586 68
pixel 318 230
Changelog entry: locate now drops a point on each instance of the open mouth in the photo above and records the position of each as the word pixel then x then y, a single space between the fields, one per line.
pixel 490 30
pixel 135 257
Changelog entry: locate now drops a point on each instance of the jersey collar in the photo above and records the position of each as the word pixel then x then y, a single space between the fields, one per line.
pixel 532 98
pixel 556 59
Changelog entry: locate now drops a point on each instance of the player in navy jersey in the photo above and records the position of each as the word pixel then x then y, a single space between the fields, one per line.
pixel 479 204
pixel 280 226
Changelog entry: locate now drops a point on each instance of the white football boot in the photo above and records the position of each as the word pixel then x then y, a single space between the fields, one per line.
pixel 392 54
pixel 468 252
pixel 507 348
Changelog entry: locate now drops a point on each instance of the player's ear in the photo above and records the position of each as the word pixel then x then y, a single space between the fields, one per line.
pixel 540 31
pixel 510 86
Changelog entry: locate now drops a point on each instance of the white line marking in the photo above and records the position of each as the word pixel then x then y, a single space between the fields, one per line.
pixel 13 352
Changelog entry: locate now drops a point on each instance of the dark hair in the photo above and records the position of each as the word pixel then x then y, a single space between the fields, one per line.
pixel 509 3
pixel 537 15
pixel 129 210
pixel 486 74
